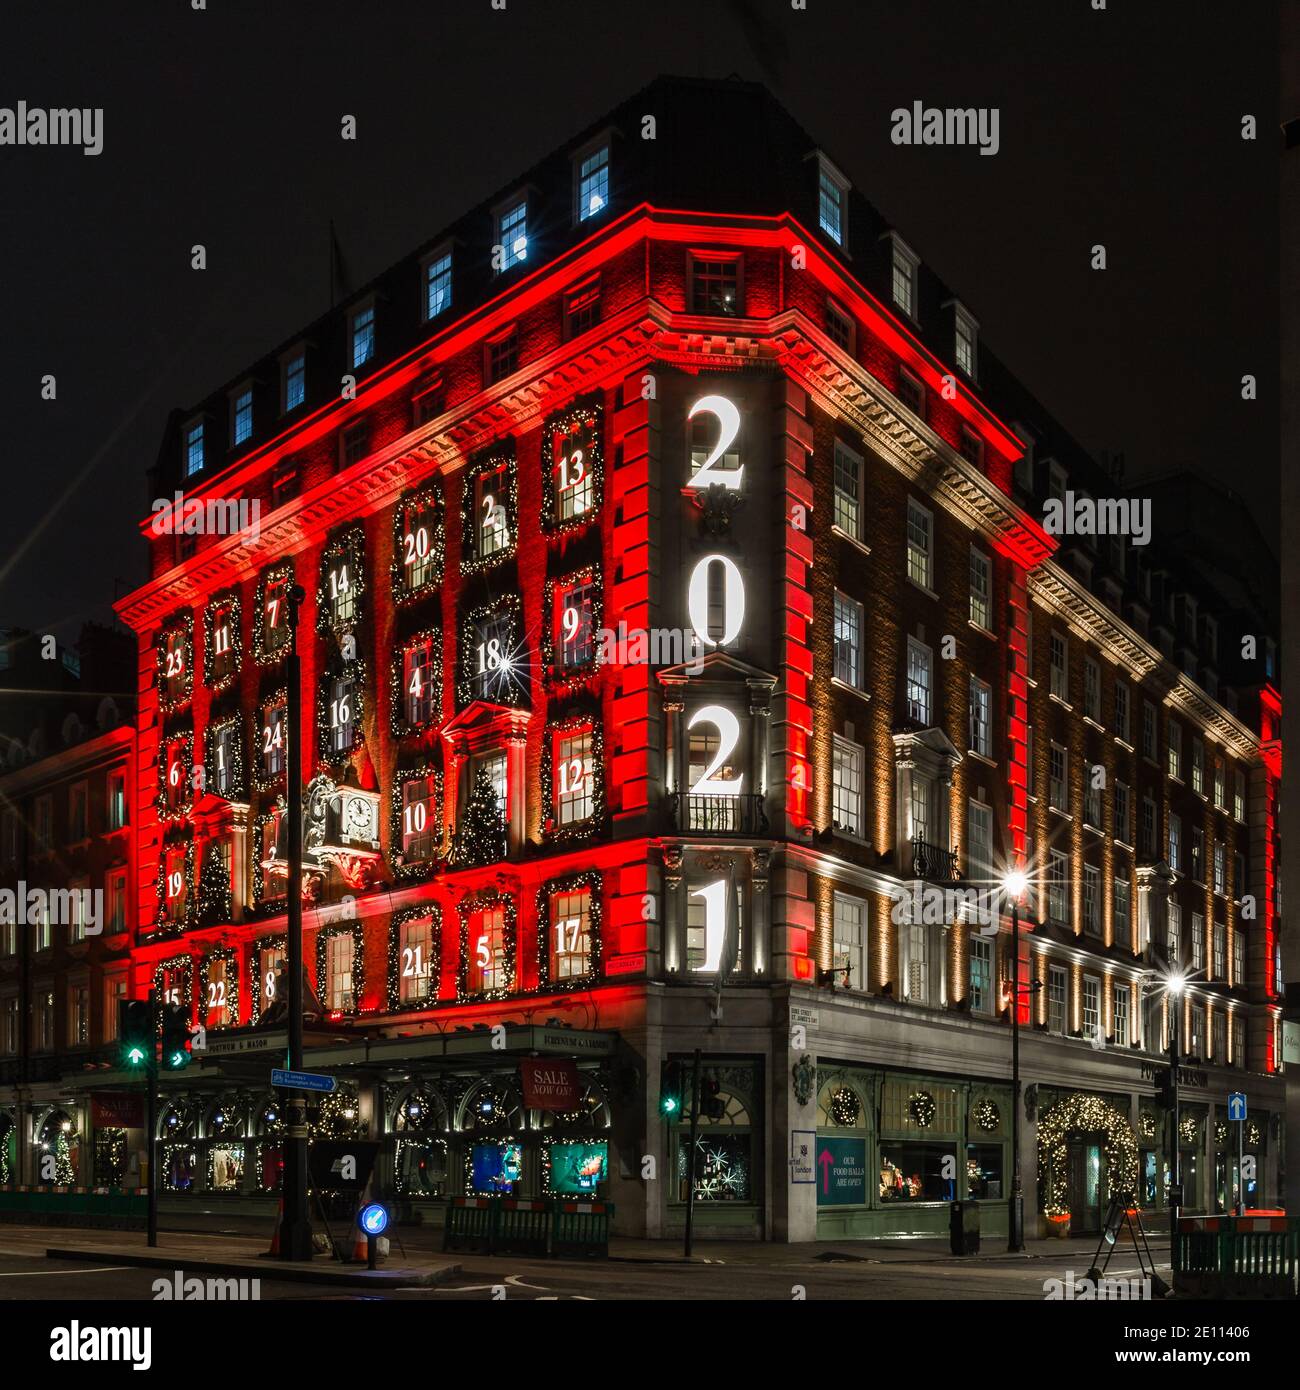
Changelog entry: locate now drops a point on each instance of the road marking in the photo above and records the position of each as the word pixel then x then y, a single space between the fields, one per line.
pixel 37 1273
pixel 518 1283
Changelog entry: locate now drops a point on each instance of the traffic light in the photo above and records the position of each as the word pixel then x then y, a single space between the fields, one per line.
pixel 175 1037
pixel 1164 1089
pixel 712 1106
pixel 135 1032
pixel 672 1089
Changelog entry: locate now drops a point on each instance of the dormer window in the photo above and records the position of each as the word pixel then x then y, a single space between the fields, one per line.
pixel 361 335
pixel 832 201
pixel 437 284
pixel 193 448
pixel 591 181
pixel 966 342
pixel 903 275
pixel 241 415
pixel 512 234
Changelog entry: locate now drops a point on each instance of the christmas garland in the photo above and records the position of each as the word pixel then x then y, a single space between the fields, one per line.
pixel 592 881
pixel 845 1107
pixel 1254 1134
pixel 986 1115
pixel 228 598
pixel 397 721
pixel 274 575
pixel 261 903
pixel 1189 1129
pixel 164 921
pixel 166 808
pixel 408 914
pixel 349 546
pixel 470 560
pixel 230 959
pixel 424 500
pixel 564 424
pixel 236 775
pixel 921 1108
pixel 355 672
pixel 184 625
pixel 262 780
pixel 405 872
pixel 1147 1125
pixel 558 676
pixel 510 609
pixel 216 900
pixel 482 901
pixel 576 832
pixel 185 964
pixel 263 943
pixel 323 936
pixel 1086 1114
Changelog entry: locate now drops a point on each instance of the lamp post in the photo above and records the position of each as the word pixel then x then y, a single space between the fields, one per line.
pixel 1174 1005
pixel 1013 885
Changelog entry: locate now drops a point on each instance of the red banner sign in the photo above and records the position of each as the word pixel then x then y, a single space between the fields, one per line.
pixel 116 1110
pixel 549 1084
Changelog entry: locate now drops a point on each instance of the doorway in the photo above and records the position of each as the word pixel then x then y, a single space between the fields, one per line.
pixel 1087 1185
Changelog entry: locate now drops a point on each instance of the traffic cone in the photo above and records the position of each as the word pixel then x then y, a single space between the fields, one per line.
pixel 360 1246
pixel 275 1235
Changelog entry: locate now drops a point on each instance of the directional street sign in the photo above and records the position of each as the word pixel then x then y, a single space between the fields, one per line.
pixel 1236 1105
pixel 301 1080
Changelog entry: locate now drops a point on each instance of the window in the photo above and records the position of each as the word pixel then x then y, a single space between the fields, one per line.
pixel 416 954
pixel 1091 801
pixel 916 978
pixel 1056 786
pixel 9 1033
pixel 1057 986
pixel 903 278
pixel 593 182
pixel 981 594
pixel 1198 941
pixel 582 308
pixel 839 327
pixel 1175 842
pixel 361 332
pixel 175 772
pixel 1238 1041
pixel 1198 766
pixel 1058 657
pixel 114 994
pixel 273 739
pixel 193 448
pixel 43 829
pixel 274 617
pixel 848 490
pixel 981 974
pixel 502 356
pixel 340 575
pixel 1121 712
pixel 918 681
pixel 494 666
pixel 1175 753
pixel 911 392
pixel 116 922
pixel 418 829
pixel 491 532
pixel 218 986
pixel 1239 957
pixel 1198 854
pixel 570 934
pixel 966 338
pixel 1123 1033
pixel 1091 900
pixel 574 777
pixel 223 642
pixel 920 536
pixel 1121 911
pixel 1220 785
pixel 1220 874
pixel 1239 796
pixel 849 941
pixel 77 802
pixel 340 957
pixel 419 689
pixel 972 447
pixel 848 621
pixel 832 204
pixel 1197 1047
pixel 847 764
pixel 1148 826
pixel 981 721
pixel 419 539
pixel 487 967
pixel 1123 814
pixel 512 234
pixel 1219 968
pixel 979 842
pixel 42 927
pixel 574 448
pixel 79 888
pixel 342 714
pixel 285 479
pixel 354 444
pixel 715 285
pixel 1173 941
pixel 1058 879
pixel 43 1021
pixel 1091 688
pixel 573 626
pixel 294 381
pixel 437 284
pixel 1091 1007
pixel 1148 730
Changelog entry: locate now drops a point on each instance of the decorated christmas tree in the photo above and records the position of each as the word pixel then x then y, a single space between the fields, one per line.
pixel 215 905
pixel 482 838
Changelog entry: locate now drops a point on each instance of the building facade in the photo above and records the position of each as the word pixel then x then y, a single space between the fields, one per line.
pixel 684 663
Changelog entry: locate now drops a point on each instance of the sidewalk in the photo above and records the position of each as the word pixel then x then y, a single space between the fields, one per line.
pixel 225 1255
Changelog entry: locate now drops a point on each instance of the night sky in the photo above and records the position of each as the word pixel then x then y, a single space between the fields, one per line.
pixel 222 127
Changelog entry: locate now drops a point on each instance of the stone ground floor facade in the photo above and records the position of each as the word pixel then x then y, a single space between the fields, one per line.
pixel 827 1115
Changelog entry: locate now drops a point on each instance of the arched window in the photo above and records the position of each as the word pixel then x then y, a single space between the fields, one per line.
pixel 724 1162
pixel 420 1150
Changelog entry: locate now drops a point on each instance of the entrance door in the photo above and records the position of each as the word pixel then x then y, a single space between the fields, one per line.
pixel 1086 1186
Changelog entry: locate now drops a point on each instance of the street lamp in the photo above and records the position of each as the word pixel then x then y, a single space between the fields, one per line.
pixel 1175 982
pixel 1014 885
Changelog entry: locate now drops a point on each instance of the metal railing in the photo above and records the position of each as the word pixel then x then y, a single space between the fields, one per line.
pixel 709 814
pixel 931 862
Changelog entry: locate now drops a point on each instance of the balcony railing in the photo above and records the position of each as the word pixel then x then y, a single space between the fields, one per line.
pixel 718 815
pixel 931 862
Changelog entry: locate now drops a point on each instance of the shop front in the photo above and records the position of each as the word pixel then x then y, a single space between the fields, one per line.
pixel 1087 1153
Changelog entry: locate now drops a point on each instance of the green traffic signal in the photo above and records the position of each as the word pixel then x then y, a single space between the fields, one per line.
pixel 135 1029
pixel 672 1088
pixel 135 1055
pixel 175 1037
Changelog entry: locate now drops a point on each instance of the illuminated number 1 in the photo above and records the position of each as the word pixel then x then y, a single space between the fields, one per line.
pixel 715 921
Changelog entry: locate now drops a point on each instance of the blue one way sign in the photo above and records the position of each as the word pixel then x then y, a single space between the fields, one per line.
pixel 1236 1105
pixel 301 1080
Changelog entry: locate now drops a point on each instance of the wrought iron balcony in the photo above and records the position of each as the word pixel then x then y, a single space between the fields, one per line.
pixel 931 862
pixel 709 814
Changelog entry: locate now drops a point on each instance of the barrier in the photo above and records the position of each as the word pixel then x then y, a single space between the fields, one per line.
pixel 522 1227
pixel 471 1224
pixel 1253 1256
pixel 108 1207
pixel 581 1228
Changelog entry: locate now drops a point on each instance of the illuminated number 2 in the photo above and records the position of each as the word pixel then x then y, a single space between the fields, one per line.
pixel 728 727
pixel 728 418
pixel 571 777
pixel 216 994
pixel 413 963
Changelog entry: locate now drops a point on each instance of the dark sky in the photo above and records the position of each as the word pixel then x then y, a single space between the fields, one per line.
pixel 222 127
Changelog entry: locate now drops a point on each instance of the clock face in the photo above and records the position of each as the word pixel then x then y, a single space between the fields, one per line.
pixel 359 815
